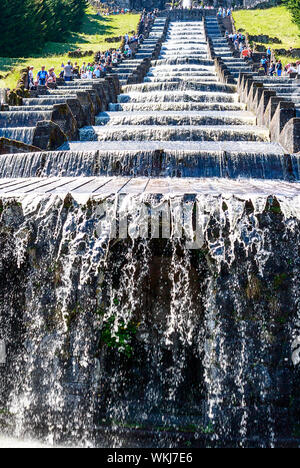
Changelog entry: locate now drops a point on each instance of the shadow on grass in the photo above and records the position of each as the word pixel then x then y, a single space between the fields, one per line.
pixel 6 64
pixel 94 25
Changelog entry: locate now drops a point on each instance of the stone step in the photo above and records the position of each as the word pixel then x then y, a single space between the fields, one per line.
pixel 176 118
pixel 213 147
pixel 165 79
pixel 104 186
pixel 22 134
pixel 23 119
pixel 169 86
pixel 148 133
pixel 177 96
pixel 46 100
pixel 176 106
pixel 30 108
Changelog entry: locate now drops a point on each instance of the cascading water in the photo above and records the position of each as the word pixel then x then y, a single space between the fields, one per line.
pixel 91 313
pixel 24 134
pixel 23 119
pixel 150 288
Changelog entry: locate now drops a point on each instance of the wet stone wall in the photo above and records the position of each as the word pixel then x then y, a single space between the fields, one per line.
pixel 138 341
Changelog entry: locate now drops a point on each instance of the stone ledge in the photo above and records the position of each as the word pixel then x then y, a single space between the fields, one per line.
pixel 289 138
pixel 48 136
pixel 63 117
pixel 276 113
pixel 8 146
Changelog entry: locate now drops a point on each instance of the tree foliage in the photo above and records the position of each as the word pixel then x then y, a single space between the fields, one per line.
pixel 294 7
pixel 26 25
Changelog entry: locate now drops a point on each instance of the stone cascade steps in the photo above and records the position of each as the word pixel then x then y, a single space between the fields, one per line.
pixel 188 95
pixel 174 133
pixel 222 49
pixel 140 124
pixel 137 159
pixel 29 108
pixel 145 51
pixel 82 97
pixel 22 134
pixel 176 118
pixel 180 122
pixel 176 106
pixel 198 85
pixel 275 100
pixel 23 119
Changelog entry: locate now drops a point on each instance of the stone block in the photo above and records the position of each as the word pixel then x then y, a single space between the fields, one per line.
pixel 63 117
pixel 290 136
pixel 251 101
pixel 87 106
pixel 8 146
pixel 271 109
pixel 48 136
pixel 284 112
pixel 77 111
pixel 263 103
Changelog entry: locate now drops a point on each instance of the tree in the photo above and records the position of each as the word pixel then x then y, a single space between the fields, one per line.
pixel 26 25
pixel 294 7
pixel 12 26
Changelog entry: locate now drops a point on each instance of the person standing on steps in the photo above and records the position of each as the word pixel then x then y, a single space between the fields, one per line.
pixel 52 76
pixel 264 64
pixel 30 78
pixel 42 76
pixel 272 69
pixel 279 68
pixel 68 72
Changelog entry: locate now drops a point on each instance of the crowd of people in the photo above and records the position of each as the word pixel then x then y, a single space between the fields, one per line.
pixel 103 64
pixel 268 65
pixel 113 11
pixel 240 45
pixel 223 12
pixel 276 68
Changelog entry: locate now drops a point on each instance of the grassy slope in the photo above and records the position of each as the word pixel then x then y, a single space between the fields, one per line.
pixel 92 37
pixel 275 22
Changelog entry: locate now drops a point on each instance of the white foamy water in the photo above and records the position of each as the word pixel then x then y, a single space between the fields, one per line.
pixel 187 3
pixel 12 442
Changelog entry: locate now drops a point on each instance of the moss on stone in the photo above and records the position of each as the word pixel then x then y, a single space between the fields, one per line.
pixel 254 288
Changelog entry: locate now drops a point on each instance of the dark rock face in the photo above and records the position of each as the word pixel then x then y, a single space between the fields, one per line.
pixel 146 338
pixel 63 117
pixel 290 136
pixel 10 146
pixel 48 136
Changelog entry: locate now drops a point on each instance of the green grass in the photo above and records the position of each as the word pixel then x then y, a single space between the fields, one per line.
pixel 274 22
pixel 92 36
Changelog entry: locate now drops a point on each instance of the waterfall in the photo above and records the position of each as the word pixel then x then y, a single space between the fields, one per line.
pixel 23 119
pixel 175 133
pixel 76 296
pixel 151 162
pixel 150 272
pixel 24 134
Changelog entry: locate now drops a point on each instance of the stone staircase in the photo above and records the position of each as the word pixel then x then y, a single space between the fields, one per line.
pixel 180 122
pixel 51 116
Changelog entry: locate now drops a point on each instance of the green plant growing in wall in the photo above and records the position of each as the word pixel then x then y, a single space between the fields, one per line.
pixel 279 280
pixel 209 429
pixel 120 337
